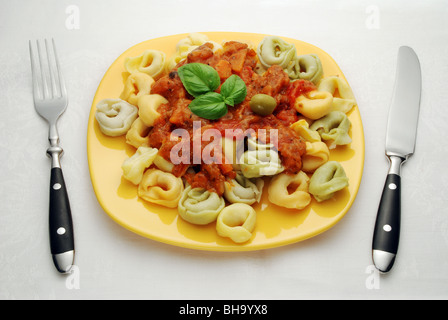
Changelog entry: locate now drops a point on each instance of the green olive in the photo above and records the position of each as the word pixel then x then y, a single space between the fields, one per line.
pixel 262 104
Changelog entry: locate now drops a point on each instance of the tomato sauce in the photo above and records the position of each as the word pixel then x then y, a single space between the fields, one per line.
pixel 235 58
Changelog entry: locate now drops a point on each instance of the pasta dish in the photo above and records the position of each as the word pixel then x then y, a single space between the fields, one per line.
pixel 216 125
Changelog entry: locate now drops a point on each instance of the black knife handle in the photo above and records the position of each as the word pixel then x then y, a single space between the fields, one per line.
pixel 386 235
pixel 387 226
pixel 61 225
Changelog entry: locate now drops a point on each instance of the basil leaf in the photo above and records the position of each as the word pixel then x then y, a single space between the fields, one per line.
pixel 229 101
pixel 199 78
pixel 234 90
pixel 209 106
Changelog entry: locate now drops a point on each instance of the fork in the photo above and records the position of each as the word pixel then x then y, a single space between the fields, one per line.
pixel 50 101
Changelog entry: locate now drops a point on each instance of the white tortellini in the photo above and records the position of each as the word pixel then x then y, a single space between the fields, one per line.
pixel 327 180
pixel 243 190
pixel 306 67
pixel 237 222
pixel 260 160
pixel 199 206
pixel 115 116
pixel 137 135
pixel 273 50
pixel 160 187
pixel 346 100
pixel 151 62
pixel 315 104
pixel 134 166
pixel 147 108
pixel 137 84
pixel 188 44
pixel 290 191
pixel 334 128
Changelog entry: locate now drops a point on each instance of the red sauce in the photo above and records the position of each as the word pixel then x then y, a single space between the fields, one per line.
pixel 234 58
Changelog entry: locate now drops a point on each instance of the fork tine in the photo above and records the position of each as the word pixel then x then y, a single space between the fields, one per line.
pixel 46 93
pixel 58 67
pixel 52 73
pixel 34 73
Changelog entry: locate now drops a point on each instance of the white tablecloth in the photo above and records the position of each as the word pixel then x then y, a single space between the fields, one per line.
pixel 113 263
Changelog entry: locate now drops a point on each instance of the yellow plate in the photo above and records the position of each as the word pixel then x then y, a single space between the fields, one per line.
pixel 276 226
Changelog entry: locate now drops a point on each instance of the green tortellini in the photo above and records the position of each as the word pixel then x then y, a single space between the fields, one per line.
pixel 243 190
pixel 275 51
pixel 199 206
pixel 260 160
pixel 334 127
pixel 327 180
pixel 306 67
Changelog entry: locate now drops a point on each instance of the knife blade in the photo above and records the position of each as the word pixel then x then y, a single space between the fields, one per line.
pixel 400 145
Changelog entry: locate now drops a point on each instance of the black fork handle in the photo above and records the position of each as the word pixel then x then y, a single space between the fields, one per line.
pixel 62 242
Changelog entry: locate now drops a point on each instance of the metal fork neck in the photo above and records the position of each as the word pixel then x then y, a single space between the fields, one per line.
pixel 53 135
pixel 54 151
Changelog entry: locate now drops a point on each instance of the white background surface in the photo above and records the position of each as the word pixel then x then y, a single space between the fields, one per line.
pixel 113 263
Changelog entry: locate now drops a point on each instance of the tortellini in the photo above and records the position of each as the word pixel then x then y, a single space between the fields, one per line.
pixel 137 135
pixel 334 127
pixel 243 190
pixel 151 62
pixel 188 44
pixel 134 166
pixel 200 206
pixel 147 108
pixel 260 160
pixel 232 150
pixel 290 191
pixel 317 153
pixel 160 187
pixel 237 222
pixel 346 100
pixel 315 104
pixel 275 51
pixel 163 164
pixel 306 67
pixel 302 128
pixel 137 84
pixel 327 180
pixel 115 116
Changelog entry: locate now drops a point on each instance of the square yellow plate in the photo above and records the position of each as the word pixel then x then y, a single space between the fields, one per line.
pixel 276 226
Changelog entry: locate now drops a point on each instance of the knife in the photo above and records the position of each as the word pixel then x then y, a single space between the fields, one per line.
pixel 400 145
